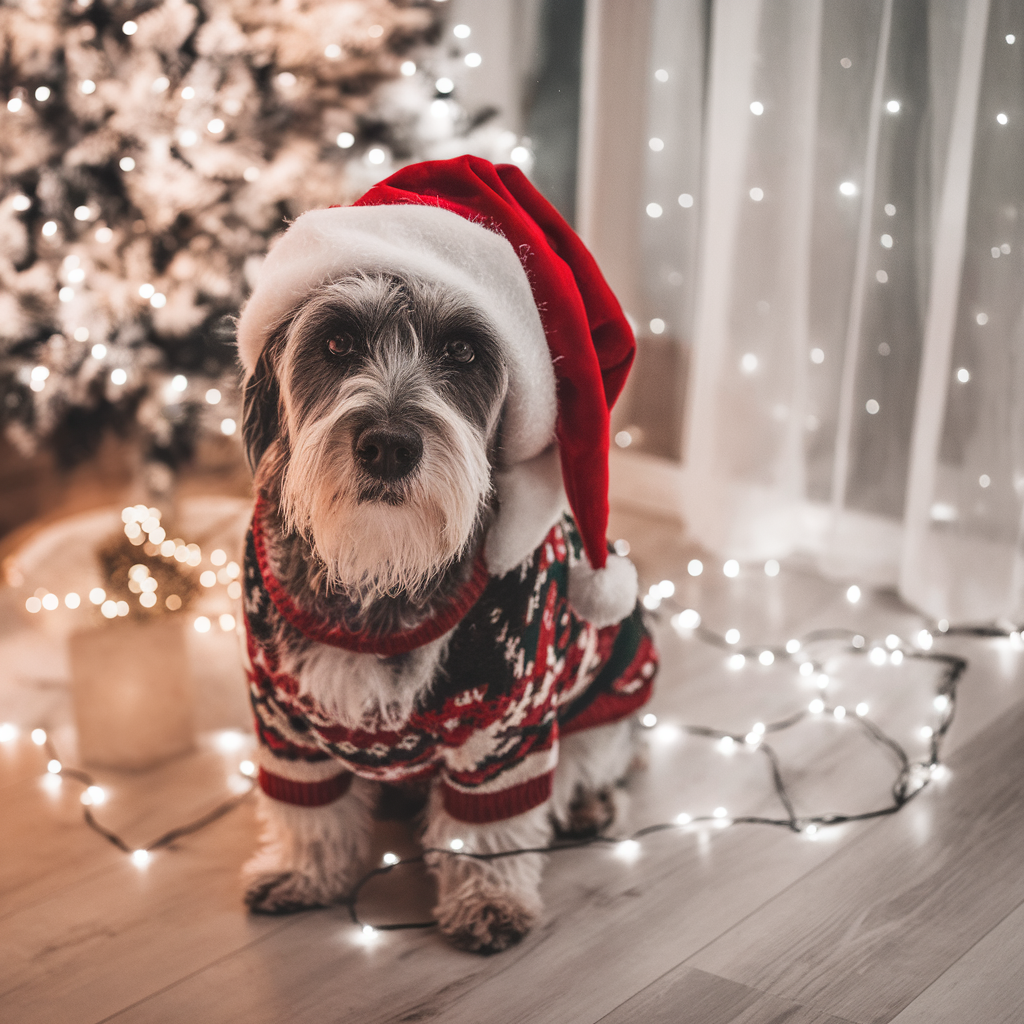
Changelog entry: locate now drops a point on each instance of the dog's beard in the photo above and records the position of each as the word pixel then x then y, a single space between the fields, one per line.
pixel 375 538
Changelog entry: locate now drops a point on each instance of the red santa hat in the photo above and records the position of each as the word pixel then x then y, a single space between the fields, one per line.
pixel 486 231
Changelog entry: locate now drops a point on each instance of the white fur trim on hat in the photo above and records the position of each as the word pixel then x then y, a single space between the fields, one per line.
pixel 531 500
pixel 433 245
pixel 603 596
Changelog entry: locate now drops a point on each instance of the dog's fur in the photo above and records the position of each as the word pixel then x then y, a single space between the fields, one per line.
pixel 383 353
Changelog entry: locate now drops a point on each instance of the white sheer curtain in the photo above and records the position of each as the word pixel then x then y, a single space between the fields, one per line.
pixel 855 340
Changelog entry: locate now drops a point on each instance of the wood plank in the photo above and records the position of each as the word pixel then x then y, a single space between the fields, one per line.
pixel 980 985
pixel 694 995
pixel 869 930
pixel 611 928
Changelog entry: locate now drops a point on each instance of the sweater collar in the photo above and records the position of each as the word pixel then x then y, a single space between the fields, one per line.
pixel 387 644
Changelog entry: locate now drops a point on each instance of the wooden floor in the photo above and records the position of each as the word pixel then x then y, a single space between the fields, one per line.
pixel 915 918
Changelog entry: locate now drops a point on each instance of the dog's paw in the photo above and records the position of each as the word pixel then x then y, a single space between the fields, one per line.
pixel 589 814
pixel 285 892
pixel 486 923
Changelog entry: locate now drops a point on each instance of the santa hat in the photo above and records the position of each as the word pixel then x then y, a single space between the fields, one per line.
pixel 485 231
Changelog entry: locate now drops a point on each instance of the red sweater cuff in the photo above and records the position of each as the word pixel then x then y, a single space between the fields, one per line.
pixel 482 808
pixel 305 794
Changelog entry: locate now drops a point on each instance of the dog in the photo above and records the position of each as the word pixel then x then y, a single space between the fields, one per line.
pixel 423 611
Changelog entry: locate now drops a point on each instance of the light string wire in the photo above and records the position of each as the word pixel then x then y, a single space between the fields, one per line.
pixel 912 776
pixel 167 838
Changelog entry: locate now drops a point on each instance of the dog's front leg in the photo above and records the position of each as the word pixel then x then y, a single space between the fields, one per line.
pixel 310 856
pixel 485 906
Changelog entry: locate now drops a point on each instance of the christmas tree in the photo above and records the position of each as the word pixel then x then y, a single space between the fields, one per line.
pixel 150 152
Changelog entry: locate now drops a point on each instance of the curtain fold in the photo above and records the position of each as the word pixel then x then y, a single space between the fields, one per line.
pixel 857 378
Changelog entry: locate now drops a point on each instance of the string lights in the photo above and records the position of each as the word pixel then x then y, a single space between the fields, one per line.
pixel 142 529
pixel 911 776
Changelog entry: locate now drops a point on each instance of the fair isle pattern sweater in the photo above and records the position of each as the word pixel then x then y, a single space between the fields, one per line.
pixel 521 669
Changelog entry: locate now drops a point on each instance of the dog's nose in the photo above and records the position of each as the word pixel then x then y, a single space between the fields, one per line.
pixel 388 454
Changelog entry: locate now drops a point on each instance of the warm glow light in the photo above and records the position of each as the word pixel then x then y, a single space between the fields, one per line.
pixel 227 622
pixel 816 706
pixel 346 140
pixel 140 858
pixel 461 31
pixel 8 732
pixel 129 28
pixel 861 709
pixel 247 768
pixel 228 427
pixel 376 155
pixel 792 646
pixel 689 618
pixel 628 850
pixel 732 636
pixel 456 844
pixel 807 668
pixel 391 859
pixel 848 188
pixel 408 68
pixel 731 568
pixel 695 567
pixel 202 624
pixel 38 737
pixel 444 85
pixel 736 662
pixel 53 766
pixel 766 658
pixel 649 721
pixel 118 376
pixel 877 656
pixel 472 60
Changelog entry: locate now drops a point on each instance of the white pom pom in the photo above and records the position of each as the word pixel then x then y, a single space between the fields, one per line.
pixel 603 596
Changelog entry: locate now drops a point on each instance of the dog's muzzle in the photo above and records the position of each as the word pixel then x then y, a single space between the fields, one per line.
pixel 388 454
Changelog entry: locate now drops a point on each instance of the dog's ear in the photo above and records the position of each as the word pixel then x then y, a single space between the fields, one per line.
pixel 261 415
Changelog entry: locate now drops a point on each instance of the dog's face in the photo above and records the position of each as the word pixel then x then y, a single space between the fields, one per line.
pixel 373 413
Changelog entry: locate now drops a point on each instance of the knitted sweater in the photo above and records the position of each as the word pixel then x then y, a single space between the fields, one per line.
pixel 521 669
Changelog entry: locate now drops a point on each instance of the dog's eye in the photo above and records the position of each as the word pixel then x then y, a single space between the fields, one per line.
pixel 339 346
pixel 459 350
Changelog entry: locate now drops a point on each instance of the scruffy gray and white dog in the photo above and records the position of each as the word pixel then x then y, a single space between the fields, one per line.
pixel 423 614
